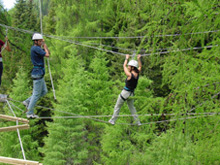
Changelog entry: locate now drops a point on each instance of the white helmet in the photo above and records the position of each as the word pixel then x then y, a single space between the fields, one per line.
pixel 37 36
pixel 133 63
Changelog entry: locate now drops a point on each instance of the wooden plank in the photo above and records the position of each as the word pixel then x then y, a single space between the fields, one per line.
pixel 11 118
pixel 14 128
pixel 18 161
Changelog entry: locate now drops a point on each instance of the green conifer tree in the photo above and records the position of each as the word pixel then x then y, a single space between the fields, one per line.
pixel 10 146
pixel 66 143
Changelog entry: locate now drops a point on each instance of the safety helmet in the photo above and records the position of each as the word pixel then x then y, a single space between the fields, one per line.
pixel 133 63
pixel 37 36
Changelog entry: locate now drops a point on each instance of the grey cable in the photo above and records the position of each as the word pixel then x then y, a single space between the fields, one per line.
pixel 110 51
pixel 156 36
pixel 106 116
pixel 48 62
pixel 19 136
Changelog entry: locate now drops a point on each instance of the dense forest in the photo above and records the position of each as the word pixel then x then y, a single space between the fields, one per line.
pixel 177 97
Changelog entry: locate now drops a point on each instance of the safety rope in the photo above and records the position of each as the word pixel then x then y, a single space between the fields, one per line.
pixel 14 44
pixel 107 116
pixel 109 46
pixel 123 54
pixel 3 48
pixel 204 102
pixel 181 50
pixel 41 21
pixel 165 121
pixel 207 85
pixel 93 117
pixel 68 113
pixel 149 115
pixel 5 45
pixel 127 49
pixel 144 115
pixel 48 61
pixel 153 122
pixel 97 44
pixel 133 55
pixel 19 136
pixel 113 52
pixel 6 32
pixel 133 37
pixel 84 45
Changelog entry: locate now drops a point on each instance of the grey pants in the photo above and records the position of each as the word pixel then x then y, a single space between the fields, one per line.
pixel 130 102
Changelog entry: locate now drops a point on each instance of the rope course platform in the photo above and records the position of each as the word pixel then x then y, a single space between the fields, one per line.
pixel 18 161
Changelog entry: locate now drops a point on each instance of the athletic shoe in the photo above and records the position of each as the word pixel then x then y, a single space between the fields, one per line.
pixel 32 116
pixel 25 104
pixel 111 122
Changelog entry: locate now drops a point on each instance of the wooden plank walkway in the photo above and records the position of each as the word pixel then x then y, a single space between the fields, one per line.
pixel 11 118
pixel 14 128
pixel 18 161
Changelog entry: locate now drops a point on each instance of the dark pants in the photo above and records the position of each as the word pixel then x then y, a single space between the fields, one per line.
pixel 1 70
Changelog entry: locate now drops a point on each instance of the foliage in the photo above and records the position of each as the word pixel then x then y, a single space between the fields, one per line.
pixel 176 81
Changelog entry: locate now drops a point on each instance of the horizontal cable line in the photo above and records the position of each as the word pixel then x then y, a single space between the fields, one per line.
pixel 93 47
pixel 126 49
pixel 151 115
pixel 56 37
pixel 204 102
pixel 196 88
pixel 17 29
pixel 146 115
pixel 156 36
pixel 110 51
pixel 153 122
pixel 208 85
pixel 68 113
pixel 181 50
pixel 103 116
pixel 114 47
pixel 165 121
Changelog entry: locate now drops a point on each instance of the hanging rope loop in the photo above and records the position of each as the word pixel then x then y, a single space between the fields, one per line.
pixel 6 32
pixel 133 55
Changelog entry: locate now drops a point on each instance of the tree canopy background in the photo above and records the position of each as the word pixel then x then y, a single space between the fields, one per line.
pixel 88 81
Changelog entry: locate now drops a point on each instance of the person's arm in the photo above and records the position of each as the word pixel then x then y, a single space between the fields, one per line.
pixel 125 66
pixel 8 46
pixel 46 50
pixel 139 62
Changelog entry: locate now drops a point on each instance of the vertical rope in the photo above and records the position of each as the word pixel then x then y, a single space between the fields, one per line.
pixel 6 32
pixel 5 45
pixel 48 62
pixel 19 136
pixel 133 55
pixel 41 24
